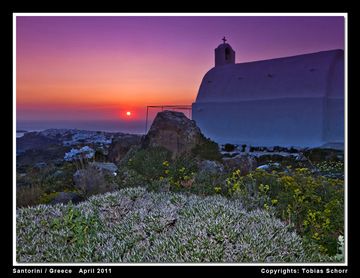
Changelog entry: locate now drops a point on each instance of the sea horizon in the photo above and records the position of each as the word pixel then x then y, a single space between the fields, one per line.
pixel 133 127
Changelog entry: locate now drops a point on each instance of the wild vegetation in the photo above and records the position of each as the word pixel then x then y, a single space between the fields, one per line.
pixel 311 202
pixel 41 185
pixel 169 209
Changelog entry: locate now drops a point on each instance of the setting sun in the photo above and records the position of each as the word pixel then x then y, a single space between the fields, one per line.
pixel 128 113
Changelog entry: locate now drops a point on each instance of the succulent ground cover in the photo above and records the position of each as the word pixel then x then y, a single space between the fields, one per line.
pixel 134 225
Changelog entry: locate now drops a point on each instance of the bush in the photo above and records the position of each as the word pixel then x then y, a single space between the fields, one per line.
pixel 313 205
pixel 208 150
pixel 127 177
pixel 180 172
pixel 133 225
pixel 154 168
pixel 229 147
pixel 32 187
pixel 28 195
pixel 149 162
pixel 331 169
pixel 317 155
pixel 243 147
pixel 209 183
pixel 46 198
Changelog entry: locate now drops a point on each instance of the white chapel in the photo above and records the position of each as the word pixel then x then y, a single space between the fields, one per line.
pixel 290 101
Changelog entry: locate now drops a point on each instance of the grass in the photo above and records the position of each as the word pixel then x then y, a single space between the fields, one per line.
pixel 133 225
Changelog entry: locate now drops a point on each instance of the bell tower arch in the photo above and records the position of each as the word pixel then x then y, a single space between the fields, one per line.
pixel 224 54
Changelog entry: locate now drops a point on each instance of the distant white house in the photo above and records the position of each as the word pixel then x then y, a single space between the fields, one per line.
pixel 290 101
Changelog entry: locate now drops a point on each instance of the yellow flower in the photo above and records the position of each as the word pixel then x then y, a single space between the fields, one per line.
pixel 305 223
pixel 316 236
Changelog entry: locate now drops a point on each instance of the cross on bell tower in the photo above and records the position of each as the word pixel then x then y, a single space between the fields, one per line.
pixel 224 54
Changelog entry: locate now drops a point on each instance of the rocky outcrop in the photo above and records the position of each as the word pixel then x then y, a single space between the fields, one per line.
pixel 245 163
pixel 210 166
pixel 271 167
pixel 173 131
pixel 120 146
pixel 108 167
pixel 320 154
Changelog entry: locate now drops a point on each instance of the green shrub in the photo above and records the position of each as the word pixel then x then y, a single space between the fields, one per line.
pixel 313 205
pixel 317 155
pixel 180 172
pixel 36 184
pixel 243 147
pixel 208 150
pixel 149 162
pixel 127 177
pixel 229 147
pixel 28 195
pixel 209 183
pixel 46 198
pixel 155 168
pixel 334 169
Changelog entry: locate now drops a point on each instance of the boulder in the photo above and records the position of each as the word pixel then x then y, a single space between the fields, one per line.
pixel 66 197
pixel 270 167
pixel 320 154
pixel 106 167
pixel 210 166
pixel 40 165
pixel 245 163
pixel 173 131
pixel 120 146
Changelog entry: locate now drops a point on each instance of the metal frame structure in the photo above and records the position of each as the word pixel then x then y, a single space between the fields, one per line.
pixel 166 107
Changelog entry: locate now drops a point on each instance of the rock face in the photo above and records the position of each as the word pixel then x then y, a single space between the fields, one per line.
pixel 210 166
pixel 245 163
pixel 66 197
pixel 173 131
pixel 109 167
pixel 319 154
pixel 120 146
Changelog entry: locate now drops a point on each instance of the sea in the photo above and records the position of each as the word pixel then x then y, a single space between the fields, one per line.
pixel 133 127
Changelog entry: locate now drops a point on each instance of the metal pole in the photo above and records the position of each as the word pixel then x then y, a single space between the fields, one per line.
pixel 147 112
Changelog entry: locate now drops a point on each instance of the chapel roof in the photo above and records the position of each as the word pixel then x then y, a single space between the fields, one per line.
pixel 302 76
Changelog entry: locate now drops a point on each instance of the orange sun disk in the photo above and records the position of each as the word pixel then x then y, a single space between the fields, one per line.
pixel 128 113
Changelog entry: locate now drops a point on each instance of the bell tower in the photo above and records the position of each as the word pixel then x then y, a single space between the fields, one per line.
pixel 224 54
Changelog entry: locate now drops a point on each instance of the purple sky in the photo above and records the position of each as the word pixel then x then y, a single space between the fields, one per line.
pixel 80 68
